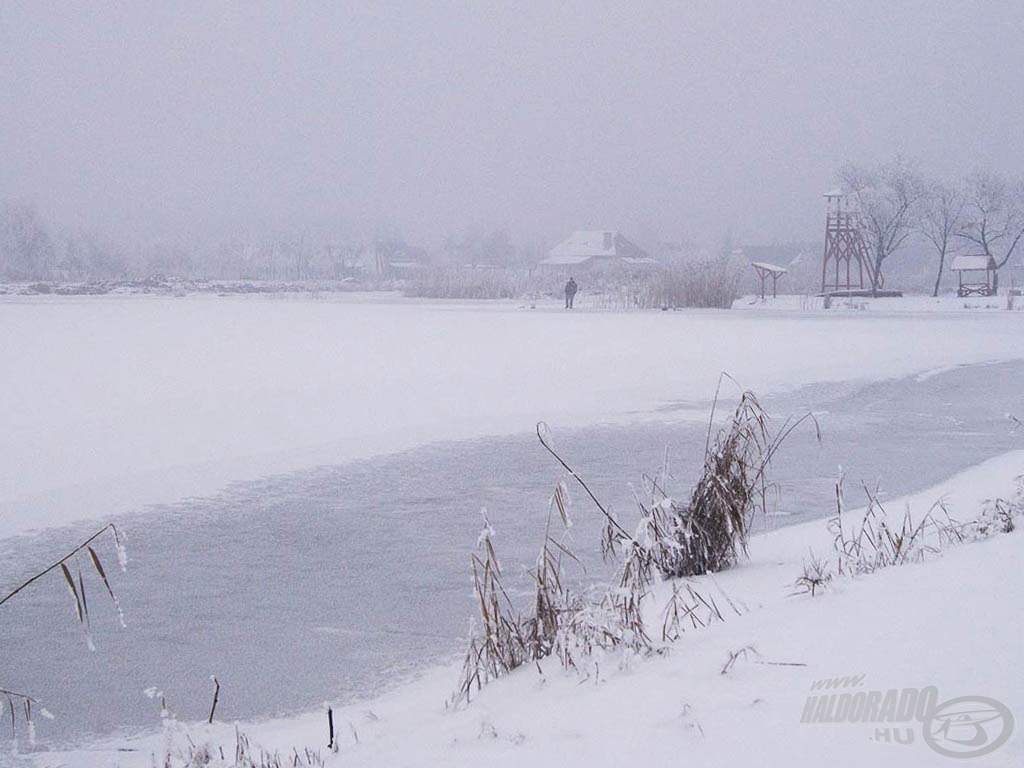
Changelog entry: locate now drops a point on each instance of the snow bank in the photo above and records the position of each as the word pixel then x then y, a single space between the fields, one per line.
pixel 889 305
pixel 115 402
pixel 953 623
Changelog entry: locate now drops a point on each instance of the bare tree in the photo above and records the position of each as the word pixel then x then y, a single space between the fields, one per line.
pixel 941 218
pixel 168 260
pixel 888 196
pixel 86 255
pixel 994 217
pixel 497 249
pixel 26 249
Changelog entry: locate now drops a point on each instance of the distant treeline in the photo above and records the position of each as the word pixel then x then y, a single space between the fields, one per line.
pixel 913 226
pixel 30 250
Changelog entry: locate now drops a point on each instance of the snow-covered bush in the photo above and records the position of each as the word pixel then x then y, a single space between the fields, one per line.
pixel 709 532
pixel 710 284
pixel 705 535
pixel 997 515
pixel 815 576
pixel 875 541
pixel 574 627
pixel 713 283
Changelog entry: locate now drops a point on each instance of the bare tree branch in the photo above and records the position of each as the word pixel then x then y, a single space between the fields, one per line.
pixel 941 218
pixel 994 216
pixel 888 196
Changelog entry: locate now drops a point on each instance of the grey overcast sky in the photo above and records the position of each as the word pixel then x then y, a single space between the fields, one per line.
pixel 203 121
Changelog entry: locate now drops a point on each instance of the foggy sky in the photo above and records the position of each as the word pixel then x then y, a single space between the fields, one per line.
pixel 203 121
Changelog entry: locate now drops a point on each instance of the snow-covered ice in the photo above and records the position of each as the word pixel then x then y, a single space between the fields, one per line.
pixel 116 402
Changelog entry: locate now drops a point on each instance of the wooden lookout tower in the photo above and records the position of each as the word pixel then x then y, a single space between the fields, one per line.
pixel 846 263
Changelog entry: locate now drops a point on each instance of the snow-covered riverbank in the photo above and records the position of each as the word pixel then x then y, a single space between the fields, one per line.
pixel 953 623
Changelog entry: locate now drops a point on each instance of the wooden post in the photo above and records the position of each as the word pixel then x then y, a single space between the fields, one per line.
pixel 216 695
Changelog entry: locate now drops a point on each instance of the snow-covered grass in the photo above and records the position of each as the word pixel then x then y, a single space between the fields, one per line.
pixel 947 302
pixel 731 694
pixel 118 401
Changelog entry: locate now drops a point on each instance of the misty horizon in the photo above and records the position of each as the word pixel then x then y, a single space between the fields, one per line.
pixel 206 123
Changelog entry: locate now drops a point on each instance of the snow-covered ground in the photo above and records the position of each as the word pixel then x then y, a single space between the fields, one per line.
pixel 947 302
pixel 120 401
pixel 952 623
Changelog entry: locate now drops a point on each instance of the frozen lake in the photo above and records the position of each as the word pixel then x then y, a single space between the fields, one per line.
pixel 334 582
pixel 118 402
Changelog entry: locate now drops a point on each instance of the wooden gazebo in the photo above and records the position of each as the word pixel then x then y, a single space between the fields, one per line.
pixel 976 275
pixel 764 271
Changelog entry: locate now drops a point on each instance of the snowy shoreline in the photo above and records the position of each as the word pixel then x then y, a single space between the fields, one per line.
pixel 893 626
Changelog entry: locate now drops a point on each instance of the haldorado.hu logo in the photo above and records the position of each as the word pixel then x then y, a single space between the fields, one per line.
pixel 962 727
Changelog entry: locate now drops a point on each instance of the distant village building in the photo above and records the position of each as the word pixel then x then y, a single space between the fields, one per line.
pixel 597 250
pixel 391 258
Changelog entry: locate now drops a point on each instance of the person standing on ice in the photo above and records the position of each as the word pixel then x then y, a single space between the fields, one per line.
pixel 570 292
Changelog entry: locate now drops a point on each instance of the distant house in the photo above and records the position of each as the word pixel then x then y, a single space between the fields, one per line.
pixel 587 250
pixel 391 258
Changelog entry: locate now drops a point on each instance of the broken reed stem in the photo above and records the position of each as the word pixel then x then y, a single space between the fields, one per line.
pixel 61 562
pixel 583 484
pixel 25 696
pixel 714 406
pixel 25 702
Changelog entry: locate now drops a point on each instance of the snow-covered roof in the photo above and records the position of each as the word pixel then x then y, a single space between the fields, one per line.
pixel 966 263
pixel 769 267
pixel 564 260
pixel 591 243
